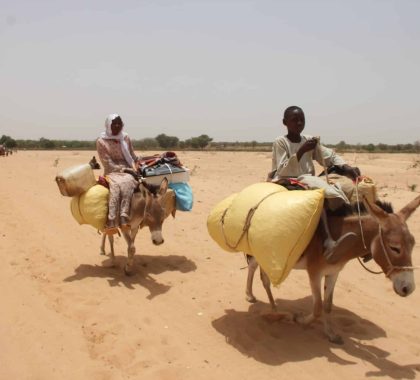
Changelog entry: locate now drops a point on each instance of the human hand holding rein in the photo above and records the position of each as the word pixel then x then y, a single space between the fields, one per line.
pixel 307 147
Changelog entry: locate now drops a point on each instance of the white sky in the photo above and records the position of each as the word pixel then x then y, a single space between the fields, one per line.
pixel 223 68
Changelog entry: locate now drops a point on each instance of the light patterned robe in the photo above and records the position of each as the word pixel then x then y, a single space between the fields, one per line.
pixel 121 185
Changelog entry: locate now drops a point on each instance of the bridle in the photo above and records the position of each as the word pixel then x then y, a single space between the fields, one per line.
pixel 391 266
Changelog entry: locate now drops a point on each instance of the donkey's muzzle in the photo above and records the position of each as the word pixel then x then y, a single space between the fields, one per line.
pixel 158 242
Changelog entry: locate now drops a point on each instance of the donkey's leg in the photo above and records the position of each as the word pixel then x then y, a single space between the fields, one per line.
pixel 315 281
pixel 102 249
pixel 110 263
pixel 274 315
pixel 329 286
pixel 252 267
pixel 267 286
pixel 131 250
pixel 111 244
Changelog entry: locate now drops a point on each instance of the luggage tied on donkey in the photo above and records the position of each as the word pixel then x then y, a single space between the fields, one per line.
pixel 154 168
pixel 269 222
pixel 275 225
pixel 91 207
pixel 90 197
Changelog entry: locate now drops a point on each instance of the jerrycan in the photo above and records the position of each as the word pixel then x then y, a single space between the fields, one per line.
pixel 367 188
pixel 75 180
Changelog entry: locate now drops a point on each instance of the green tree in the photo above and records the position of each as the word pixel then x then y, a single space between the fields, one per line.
pixel 46 144
pixel 8 142
pixel 146 143
pixel 341 146
pixel 165 141
pixel 384 147
pixel 11 143
pixel 370 148
pixel 417 146
pixel 201 141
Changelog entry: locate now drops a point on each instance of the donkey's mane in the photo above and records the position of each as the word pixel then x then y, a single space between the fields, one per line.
pixel 152 188
pixel 347 210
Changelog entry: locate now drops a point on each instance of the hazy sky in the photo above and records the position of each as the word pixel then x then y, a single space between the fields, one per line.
pixel 223 68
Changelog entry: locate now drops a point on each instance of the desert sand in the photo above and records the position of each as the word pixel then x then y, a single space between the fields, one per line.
pixel 183 314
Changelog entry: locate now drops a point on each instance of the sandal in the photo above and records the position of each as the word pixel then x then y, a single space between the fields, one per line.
pixel 110 230
pixel 124 224
pixel 125 227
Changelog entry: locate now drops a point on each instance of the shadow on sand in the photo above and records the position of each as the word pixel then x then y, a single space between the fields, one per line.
pixel 144 266
pixel 276 343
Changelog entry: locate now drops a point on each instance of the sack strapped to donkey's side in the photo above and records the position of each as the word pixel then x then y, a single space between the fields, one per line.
pixel 268 222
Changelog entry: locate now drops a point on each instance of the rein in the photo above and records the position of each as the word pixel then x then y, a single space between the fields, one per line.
pixel 358 212
pixel 361 230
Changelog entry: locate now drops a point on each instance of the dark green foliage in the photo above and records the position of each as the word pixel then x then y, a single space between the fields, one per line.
pixel 166 142
pixel 8 142
pixel 145 144
pixel 199 142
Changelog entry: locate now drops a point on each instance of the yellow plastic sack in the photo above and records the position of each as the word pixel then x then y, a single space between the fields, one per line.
pixel 91 207
pixel 278 230
pixel 214 225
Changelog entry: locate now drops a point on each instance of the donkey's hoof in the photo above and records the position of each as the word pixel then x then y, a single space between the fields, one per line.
pixel 102 253
pixel 336 339
pixel 251 299
pixel 128 270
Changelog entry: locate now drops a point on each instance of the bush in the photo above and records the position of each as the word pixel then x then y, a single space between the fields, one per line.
pixel 166 142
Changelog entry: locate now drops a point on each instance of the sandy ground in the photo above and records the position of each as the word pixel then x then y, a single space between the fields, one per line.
pixel 183 314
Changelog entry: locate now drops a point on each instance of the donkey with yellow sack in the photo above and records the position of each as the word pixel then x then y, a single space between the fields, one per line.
pixel 150 206
pixel 279 230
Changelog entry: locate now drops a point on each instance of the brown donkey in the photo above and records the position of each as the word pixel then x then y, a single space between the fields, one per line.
pixel 149 207
pixel 386 236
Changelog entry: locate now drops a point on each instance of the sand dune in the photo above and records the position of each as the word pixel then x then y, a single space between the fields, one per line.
pixel 183 314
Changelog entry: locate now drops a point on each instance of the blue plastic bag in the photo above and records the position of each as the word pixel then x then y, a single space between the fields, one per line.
pixel 183 195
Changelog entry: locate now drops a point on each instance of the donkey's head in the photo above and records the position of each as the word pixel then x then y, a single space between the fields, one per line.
pixel 154 210
pixel 393 246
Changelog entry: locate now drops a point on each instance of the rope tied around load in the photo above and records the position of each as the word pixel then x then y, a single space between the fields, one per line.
pixel 247 223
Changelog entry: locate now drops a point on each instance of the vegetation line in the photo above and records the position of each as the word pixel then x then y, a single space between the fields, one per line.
pixel 202 142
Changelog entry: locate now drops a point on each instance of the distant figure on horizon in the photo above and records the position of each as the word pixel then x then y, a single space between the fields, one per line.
pixel 116 153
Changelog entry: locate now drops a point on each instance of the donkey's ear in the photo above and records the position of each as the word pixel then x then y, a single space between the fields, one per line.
pixel 144 190
pixel 407 210
pixel 163 186
pixel 169 203
pixel 375 211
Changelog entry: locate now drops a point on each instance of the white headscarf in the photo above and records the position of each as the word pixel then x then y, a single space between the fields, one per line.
pixel 107 135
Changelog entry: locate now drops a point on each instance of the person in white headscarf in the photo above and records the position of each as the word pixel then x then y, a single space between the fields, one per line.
pixel 116 153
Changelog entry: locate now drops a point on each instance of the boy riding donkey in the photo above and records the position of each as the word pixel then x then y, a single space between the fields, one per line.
pixel 292 165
